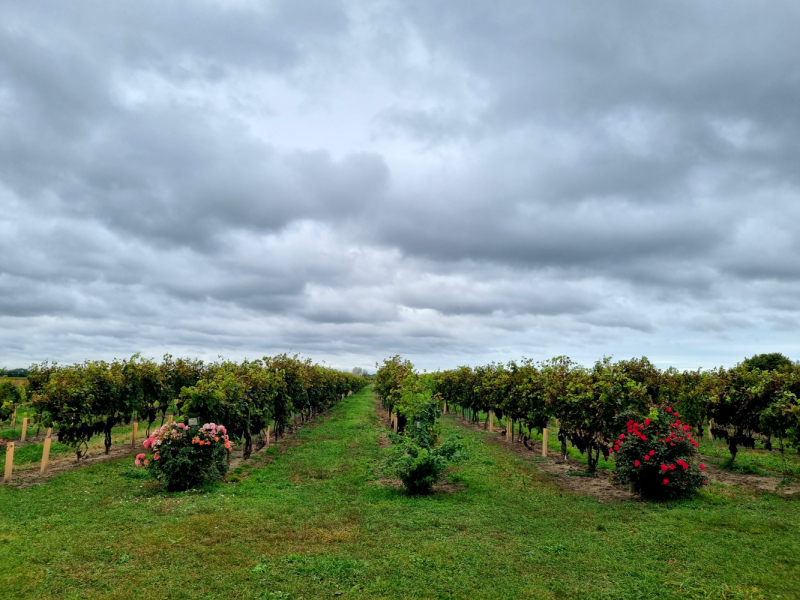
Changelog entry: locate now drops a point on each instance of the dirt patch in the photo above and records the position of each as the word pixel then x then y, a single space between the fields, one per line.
pixel 438 488
pixel 759 483
pixel 29 474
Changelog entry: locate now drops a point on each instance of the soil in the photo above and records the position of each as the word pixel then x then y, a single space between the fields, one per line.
pixel 438 488
pixel 759 483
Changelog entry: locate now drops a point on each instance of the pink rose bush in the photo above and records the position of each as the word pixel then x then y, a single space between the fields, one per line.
pixel 657 454
pixel 185 457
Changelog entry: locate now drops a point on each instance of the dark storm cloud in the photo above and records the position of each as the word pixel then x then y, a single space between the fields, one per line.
pixel 461 181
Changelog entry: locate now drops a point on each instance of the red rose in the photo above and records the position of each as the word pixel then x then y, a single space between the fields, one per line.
pixel 664 467
pixel 702 467
pixel 646 422
pixel 669 409
pixel 646 457
pixel 666 481
pixel 686 428
pixel 652 452
pixel 636 463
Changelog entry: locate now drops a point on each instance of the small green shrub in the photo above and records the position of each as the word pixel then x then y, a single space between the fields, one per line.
pixel 419 467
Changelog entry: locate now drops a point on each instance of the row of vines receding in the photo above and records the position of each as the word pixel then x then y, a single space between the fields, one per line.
pixel 755 401
pixel 83 400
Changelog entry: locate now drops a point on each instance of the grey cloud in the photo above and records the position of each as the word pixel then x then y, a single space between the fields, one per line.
pixel 452 180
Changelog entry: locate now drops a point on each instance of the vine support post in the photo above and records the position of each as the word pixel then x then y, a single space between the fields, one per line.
pixel 509 430
pixel 14 419
pixel 46 451
pixel 268 436
pixel 710 437
pixel 169 420
pixel 544 441
pixel 9 462
pixel 24 430
pixel 133 435
pixel 490 421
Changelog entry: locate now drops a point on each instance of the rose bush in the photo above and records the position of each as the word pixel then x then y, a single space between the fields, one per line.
pixel 657 455
pixel 184 457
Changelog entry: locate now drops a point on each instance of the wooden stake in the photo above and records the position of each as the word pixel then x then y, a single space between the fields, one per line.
pixel 133 435
pixel 9 462
pixel 508 429
pixel 491 420
pixel 14 419
pixel 169 420
pixel 268 436
pixel 544 441
pixel 632 487
pixel 710 437
pixel 24 429
pixel 396 423
pixel 46 451
pixel 445 408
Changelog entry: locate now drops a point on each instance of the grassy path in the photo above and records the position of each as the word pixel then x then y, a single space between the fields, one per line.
pixel 315 523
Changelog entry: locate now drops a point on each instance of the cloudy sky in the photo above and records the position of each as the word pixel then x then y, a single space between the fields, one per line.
pixel 458 182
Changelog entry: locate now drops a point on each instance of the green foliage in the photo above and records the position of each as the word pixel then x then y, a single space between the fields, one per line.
pixel 420 467
pixel 11 397
pixel 657 455
pixel 390 380
pixel 415 456
pixel 767 362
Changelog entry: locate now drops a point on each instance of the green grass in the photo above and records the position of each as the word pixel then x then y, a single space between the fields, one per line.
pixel 316 523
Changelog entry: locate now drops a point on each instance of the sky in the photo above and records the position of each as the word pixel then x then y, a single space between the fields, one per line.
pixel 456 182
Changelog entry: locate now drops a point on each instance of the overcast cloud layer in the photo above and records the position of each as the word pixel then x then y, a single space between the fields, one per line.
pixel 453 181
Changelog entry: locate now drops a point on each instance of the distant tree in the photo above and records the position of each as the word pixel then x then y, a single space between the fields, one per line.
pixel 767 362
pixel 13 372
pixel 360 372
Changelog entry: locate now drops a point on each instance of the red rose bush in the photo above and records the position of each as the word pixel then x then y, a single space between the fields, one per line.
pixel 657 454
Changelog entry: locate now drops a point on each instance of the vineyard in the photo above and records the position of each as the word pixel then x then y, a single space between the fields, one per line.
pixel 96 399
pixel 324 512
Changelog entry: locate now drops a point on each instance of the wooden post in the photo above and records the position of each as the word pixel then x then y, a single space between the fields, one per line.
pixel 508 429
pixel 24 429
pixel 544 441
pixel 14 419
pixel 632 487
pixel 396 423
pixel 46 451
pixel 491 420
pixel 169 420
pixel 133 435
pixel 9 462
pixel 268 436
pixel 445 408
pixel 710 437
